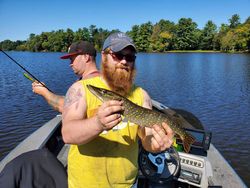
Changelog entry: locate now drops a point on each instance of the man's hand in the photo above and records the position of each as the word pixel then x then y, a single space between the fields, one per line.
pixel 157 138
pixel 162 137
pixel 39 89
pixel 109 114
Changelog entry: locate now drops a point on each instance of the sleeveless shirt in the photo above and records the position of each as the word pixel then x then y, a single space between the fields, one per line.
pixel 109 160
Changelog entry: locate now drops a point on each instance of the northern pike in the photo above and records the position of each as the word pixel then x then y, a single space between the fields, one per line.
pixel 144 116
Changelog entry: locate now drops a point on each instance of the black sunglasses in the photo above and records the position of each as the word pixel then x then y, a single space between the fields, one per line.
pixel 127 57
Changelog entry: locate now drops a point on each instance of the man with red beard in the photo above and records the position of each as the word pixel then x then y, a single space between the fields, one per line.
pixel 104 145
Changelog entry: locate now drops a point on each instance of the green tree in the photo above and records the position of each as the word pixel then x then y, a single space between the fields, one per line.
pixel 45 44
pixel 58 41
pixel 34 43
pixel 224 28
pixel 237 39
pixel 134 34
pixel 145 33
pixel 208 35
pixel 7 45
pixel 98 35
pixel 247 20
pixel 141 36
pixel 234 21
pixel 186 36
pixel 68 38
pixel 82 34
pixel 161 38
pixel 228 41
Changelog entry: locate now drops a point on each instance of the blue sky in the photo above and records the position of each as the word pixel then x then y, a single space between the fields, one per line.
pixel 19 18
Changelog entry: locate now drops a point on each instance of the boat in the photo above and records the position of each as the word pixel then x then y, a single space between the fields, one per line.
pixel 204 166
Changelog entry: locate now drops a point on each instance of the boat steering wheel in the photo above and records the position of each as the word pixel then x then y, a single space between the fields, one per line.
pixel 159 167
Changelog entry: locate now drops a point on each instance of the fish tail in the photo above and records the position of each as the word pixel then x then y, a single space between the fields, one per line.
pixel 187 141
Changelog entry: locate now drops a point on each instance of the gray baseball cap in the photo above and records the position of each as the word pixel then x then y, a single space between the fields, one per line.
pixel 118 41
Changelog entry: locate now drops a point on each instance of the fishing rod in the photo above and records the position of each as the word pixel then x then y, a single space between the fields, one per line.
pixel 25 71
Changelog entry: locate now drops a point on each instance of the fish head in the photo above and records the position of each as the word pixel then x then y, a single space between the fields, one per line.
pixel 104 94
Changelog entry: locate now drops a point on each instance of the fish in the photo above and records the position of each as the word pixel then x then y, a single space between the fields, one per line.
pixel 144 116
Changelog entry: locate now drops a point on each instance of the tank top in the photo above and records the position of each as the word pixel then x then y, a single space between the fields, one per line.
pixel 110 160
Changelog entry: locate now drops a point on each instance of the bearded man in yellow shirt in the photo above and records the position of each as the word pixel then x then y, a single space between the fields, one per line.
pixel 104 145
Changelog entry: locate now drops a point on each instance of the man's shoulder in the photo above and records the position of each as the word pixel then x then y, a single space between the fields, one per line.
pixel 137 88
pixel 91 79
pixel 143 92
pixel 96 81
pixel 76 85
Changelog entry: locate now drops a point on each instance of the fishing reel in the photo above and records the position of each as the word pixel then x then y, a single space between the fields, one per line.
pixel 159 167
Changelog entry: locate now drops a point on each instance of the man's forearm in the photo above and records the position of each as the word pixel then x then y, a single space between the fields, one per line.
pixel 55 101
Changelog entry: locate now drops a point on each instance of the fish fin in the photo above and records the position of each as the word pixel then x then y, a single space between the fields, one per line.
pixel 187 141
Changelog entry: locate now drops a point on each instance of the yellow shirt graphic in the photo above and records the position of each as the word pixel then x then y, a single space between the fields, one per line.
pixel 110 160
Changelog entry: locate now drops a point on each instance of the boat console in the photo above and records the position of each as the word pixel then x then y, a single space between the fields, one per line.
pixel 174 168
pixel 201 144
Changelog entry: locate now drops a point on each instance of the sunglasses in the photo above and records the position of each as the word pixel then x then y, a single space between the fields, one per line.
pixel 120 56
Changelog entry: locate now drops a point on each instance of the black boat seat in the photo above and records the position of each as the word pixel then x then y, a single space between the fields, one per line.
pixel 34 169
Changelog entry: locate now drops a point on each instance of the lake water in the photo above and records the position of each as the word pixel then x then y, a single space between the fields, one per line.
pixel 213 86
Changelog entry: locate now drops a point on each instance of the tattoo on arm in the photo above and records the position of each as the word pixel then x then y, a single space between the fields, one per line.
pixel 72 97
pixel 54 101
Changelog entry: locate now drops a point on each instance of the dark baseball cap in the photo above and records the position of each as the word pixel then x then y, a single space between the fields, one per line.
pixel 118 41
pixel 80 47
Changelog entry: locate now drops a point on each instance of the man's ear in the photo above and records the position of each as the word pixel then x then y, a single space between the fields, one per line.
pixel 87 57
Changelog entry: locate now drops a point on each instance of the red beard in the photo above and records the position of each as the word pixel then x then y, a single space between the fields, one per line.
pixel 118 77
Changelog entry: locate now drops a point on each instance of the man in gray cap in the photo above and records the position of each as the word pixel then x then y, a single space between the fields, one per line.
pixel 104 148
pixel 82 55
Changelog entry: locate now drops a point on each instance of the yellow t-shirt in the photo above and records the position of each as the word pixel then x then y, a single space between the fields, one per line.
pixel 110 160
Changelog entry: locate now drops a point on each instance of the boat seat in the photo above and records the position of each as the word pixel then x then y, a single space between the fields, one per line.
pixel 34 169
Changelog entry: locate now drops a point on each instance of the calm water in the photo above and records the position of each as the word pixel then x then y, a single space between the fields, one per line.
pixel 215 87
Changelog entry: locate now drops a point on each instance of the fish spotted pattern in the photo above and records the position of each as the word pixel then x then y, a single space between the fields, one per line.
pixel 143 116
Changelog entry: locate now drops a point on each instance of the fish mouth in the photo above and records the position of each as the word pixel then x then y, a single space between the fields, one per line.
pixel 94 91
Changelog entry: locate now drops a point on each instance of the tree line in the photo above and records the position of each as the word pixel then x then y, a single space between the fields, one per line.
pixel 160 37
